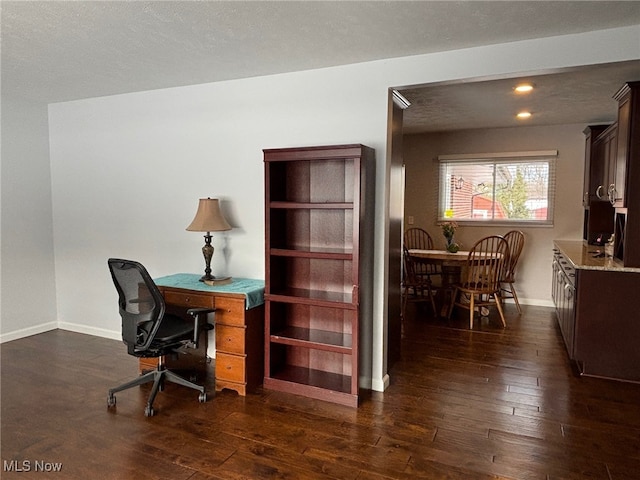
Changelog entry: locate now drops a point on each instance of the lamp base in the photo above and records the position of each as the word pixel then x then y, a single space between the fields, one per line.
pixel 216 281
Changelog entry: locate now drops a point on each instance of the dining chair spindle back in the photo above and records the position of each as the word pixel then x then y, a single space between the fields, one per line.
pixel 419 239
pixel 419 287
pixel 483 271
pixel 515 239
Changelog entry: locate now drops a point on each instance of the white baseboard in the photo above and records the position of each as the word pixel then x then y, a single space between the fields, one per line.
pixel 95 331
pixel 77 328
pixel 72 327
pixel 536 302
pixel 27 332
pixel 381 384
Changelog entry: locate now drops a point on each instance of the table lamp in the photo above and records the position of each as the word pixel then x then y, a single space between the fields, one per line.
pixel 208 219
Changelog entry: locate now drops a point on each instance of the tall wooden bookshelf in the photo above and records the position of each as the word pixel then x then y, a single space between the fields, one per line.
pixel 317 211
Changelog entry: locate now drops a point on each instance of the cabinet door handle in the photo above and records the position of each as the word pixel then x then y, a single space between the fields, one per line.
pixel 612 193
pixel 599 192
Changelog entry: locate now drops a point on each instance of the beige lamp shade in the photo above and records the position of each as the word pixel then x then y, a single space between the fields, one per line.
pixel 208 218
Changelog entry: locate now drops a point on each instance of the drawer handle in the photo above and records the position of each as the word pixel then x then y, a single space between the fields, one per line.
pixel 228 367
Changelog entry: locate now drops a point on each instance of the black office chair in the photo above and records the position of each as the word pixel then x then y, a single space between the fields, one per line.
pixel 149 332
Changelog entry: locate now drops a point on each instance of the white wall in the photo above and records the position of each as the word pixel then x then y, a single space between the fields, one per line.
pixel 534 268
pixel 28 281
pixel 127 170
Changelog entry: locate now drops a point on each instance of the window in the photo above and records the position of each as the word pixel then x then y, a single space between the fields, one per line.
pixel 499 187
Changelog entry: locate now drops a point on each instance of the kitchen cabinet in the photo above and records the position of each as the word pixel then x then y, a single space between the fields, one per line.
pixel 594 168
pixel 625 189
pixel 318 247
pixel 619 181
pixel 599 214
pixel 564 298
pixel 608 147
pixel 596 313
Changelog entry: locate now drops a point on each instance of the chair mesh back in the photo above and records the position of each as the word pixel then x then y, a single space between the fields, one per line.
pixel 141 303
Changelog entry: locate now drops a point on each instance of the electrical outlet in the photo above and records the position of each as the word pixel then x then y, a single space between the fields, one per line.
pixel 410 219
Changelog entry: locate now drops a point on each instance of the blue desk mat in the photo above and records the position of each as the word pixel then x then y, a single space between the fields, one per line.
pixel 252 289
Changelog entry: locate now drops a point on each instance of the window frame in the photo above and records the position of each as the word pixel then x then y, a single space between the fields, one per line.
pixel 494 159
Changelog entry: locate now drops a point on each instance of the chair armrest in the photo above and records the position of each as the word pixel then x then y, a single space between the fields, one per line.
pixel 197 327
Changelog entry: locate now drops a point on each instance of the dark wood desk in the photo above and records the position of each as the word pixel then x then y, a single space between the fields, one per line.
pixel 239 325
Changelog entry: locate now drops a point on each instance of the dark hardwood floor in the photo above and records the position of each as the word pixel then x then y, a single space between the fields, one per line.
pixel 482 404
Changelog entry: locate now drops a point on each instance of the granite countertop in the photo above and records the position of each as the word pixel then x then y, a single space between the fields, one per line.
pixel 582 257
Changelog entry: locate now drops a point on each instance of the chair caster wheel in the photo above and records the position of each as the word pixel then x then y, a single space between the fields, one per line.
pixel 111 400
pixel 148 411
pixel 202 397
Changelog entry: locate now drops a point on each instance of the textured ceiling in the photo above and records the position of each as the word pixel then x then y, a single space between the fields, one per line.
pixel 59 51
pixel 581 95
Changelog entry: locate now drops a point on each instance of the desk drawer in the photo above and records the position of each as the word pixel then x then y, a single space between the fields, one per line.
pixel 230 339
pixel 230 311
pixel 188 299
pixel 230 367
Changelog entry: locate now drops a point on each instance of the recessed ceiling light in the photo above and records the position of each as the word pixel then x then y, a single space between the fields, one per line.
pixel 523 115
pixel 524 88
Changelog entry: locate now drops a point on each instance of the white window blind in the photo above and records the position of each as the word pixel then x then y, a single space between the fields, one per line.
pixel 507 187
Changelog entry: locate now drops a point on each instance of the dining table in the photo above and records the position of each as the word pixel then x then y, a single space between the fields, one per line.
pixel 451 265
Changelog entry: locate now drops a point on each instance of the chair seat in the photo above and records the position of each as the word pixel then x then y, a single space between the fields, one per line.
pixel 173 329
pixel 172 333
pixel 476 287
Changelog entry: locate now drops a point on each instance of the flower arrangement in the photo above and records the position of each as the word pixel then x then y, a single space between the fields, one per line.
pixel 449 230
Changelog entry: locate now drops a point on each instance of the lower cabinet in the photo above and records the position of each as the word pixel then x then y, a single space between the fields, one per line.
pixel 564 298
pixel 598 318
pixel 607 326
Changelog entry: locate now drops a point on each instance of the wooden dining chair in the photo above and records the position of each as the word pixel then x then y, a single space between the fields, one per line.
pixel 418 238
pixel 419 287
pixel 515 239
pixel 481 277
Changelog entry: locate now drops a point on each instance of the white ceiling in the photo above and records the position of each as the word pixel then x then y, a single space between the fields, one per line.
pixel 59 51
